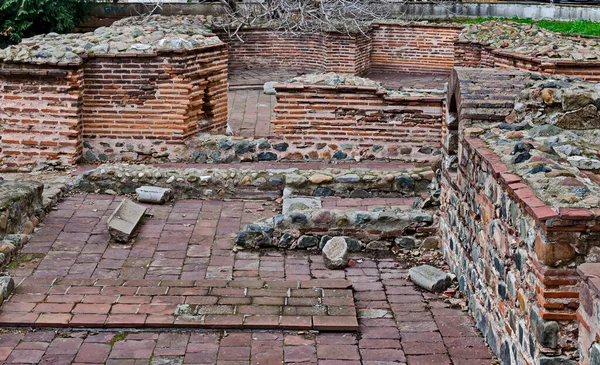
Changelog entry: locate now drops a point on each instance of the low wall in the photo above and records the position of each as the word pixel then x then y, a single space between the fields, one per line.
pixel 473 54
pixel 359 115
pixel 110 107
pixel 405 9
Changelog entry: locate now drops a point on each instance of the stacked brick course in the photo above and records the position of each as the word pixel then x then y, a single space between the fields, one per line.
pixel 41 114
pixel 361 115
pixel 513 254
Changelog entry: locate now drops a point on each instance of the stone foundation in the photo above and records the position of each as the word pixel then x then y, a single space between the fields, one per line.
pixel 251 184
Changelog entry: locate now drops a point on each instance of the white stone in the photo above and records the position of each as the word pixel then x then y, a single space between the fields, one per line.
pixel 152 194
pixel 335 253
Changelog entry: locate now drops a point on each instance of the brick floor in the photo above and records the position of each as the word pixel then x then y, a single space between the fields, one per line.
pixel 70 275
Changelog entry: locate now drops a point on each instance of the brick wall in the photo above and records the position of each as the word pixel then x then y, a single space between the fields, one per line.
pixel 110 107
pixel 40 115
pixel 329 52
pixel 153 103
pixel 514 255
pixel 356 114
pixel 473 54
pixel 413 48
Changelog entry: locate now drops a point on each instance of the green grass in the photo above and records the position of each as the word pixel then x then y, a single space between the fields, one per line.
pixel 586 27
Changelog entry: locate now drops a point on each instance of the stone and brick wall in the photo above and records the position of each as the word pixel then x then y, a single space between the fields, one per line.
pixel 40 114
pixel 358 115
pixel 151 105
pixel 131 106
pixel 413 48
pixel 515 256
pixel 473 54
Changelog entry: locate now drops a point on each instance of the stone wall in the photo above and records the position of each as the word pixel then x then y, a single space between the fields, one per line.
pixel 515 256
pixel 123 106
pixel 21 207
pixel 365 116
pixel 473 54
pixel 413 47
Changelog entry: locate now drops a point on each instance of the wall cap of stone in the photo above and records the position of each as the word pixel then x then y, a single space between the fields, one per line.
pixel 514 185
pixel 519 56
pixel 358 88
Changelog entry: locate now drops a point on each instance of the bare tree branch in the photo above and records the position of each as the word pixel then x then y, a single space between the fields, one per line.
pixel 302 16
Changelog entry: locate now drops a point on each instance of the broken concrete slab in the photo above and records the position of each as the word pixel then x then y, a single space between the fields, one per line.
pixel 429 278
pixel 335 253
pixel 123 222
pixel 152 194
pixel 294 204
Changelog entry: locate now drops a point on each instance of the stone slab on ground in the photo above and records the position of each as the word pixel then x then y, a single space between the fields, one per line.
pixel 429 278
pixel 122 223
pixel 152 194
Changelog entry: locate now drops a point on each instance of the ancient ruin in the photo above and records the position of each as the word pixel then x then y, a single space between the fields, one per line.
pixel 418 193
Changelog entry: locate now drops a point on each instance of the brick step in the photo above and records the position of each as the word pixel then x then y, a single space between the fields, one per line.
pixel 325 305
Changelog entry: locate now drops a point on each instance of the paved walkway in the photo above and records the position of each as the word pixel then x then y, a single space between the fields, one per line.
pixel 184 251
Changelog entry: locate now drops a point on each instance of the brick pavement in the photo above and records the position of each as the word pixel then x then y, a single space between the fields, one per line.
pixel 191 241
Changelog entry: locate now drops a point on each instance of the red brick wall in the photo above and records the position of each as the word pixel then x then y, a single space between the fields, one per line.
pixel 40 119
pixel 266 49
pixel 148 104
pixel 308 52
pixel 413 48
pixel 156 97
pixel 356 114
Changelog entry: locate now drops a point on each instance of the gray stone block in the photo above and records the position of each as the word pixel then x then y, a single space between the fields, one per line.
pixel 7 285
pixel 429 278
pixel 152 194
pixel 124 220
pixel 293 204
